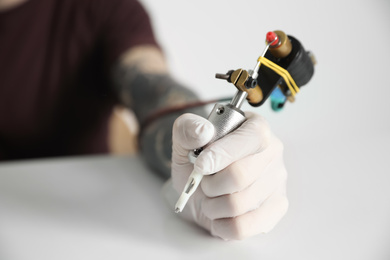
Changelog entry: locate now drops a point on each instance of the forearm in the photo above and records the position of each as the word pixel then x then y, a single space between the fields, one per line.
pixel 148 92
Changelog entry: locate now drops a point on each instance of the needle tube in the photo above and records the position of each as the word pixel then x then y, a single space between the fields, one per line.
pixel 189 189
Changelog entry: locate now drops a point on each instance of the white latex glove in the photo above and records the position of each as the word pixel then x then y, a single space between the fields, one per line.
pixel 243 191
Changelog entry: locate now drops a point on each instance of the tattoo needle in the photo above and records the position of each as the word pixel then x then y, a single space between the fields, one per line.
pixel 189 189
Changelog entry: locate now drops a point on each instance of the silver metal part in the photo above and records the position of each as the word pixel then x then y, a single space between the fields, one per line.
pixel 256 69
pixel 226 118
pixel 239 99
pixel 222 76
pixel 226 121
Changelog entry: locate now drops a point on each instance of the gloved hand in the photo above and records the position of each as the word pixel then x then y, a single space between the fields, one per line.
pixel 243 191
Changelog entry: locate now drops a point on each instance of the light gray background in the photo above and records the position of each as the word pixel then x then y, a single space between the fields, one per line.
pixel 336 140
pixel 337 133
pixel 349 91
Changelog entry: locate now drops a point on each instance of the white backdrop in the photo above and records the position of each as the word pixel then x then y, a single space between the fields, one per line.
pixel 348 38
pixel 337 133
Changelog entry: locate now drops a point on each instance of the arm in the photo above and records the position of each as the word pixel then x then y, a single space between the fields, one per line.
pixel 243 191
pixel 142 83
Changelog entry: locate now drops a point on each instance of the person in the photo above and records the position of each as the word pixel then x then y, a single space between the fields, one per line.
pixel 64 64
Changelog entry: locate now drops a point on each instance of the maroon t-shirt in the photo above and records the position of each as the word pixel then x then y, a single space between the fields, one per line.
pixel 55 61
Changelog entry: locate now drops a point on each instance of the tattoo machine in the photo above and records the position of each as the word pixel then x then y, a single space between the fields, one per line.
pixel 282 69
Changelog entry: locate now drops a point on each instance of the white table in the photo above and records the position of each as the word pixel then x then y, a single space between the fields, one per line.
pixel 106 207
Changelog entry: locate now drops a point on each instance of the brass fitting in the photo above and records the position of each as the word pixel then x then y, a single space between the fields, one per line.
pixel 284 47
pixel 239 77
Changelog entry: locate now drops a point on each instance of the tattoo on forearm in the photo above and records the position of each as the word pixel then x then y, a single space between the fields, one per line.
pixel 146 94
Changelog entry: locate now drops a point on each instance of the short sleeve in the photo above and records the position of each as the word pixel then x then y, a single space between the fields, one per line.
pixel 124 24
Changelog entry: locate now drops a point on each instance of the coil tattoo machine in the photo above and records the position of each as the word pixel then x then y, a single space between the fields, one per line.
pixel 282 69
